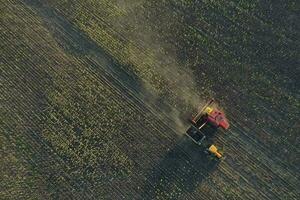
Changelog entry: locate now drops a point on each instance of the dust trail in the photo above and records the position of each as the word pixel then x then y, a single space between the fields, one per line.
pixel 172 86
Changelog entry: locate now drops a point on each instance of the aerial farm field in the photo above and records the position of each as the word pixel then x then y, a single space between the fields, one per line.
pixel 95 97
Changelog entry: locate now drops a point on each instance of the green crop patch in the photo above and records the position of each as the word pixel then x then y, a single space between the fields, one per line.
pixel 96 96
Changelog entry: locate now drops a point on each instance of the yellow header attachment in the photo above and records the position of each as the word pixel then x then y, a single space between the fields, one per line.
pixel 208 110
pixel 214 150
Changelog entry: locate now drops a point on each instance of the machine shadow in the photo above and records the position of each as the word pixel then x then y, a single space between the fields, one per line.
pixel 182 169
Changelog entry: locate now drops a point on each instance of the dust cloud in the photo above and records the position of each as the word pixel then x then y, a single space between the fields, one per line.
pixel 174 91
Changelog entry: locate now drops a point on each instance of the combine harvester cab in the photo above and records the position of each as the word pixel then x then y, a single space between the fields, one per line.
pixel 209 115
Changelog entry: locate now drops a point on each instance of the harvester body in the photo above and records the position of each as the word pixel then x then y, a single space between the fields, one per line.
pixel 209 115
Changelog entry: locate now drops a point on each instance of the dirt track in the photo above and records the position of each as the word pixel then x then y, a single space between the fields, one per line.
pixel 163 163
